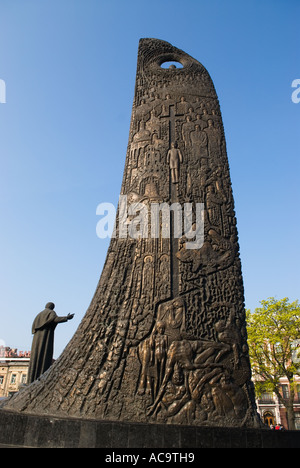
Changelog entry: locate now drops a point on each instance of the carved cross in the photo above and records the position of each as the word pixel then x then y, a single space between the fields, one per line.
pixel 173 194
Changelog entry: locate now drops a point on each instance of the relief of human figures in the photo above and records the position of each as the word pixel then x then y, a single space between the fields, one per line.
pixel 152 352
pixel 188 379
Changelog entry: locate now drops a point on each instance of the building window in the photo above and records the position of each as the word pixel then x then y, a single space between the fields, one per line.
pixel 285 391
pixel 13 379
pixel 1 379
pixel 267 397
pixel 24 378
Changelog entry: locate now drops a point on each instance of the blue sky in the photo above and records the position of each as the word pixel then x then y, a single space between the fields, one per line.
pixel 69 68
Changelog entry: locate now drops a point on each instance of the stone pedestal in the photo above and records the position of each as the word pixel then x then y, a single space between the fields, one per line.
pixel 27 430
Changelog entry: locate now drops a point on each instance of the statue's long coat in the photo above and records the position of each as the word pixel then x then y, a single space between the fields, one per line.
pixel 42 344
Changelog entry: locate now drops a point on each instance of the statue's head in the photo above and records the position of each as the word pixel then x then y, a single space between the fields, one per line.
pixel 50 305
pixel 160 327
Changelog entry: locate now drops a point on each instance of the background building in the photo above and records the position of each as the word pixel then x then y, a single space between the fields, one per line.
pixel 274 412
pixel 13 370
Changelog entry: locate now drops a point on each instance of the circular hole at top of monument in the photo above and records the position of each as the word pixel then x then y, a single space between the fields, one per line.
pixel 171 65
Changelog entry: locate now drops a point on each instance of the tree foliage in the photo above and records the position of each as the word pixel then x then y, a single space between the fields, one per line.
pixel 273 337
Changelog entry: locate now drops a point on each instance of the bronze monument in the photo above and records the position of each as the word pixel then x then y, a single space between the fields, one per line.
pixel 164 339
pixel 43 328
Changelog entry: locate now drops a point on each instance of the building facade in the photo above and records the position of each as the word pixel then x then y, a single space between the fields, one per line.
pixel 272 411
pixel 13 370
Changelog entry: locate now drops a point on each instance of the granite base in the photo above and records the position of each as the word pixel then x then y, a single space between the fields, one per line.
pixel 36 431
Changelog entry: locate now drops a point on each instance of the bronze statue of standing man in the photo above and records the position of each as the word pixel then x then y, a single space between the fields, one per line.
pixel 42 344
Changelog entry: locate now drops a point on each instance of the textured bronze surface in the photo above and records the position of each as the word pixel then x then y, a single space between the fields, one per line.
pixel 164 339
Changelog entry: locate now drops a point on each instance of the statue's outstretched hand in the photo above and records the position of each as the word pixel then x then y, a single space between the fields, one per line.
pixel 70 316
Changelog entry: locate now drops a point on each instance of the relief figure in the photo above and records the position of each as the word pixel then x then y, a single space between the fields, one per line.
pixel 187 128
pixel 152 354
pixel 174 158
pixel 199 141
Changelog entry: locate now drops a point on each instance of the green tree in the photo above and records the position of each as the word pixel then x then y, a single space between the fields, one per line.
pixel 273 331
